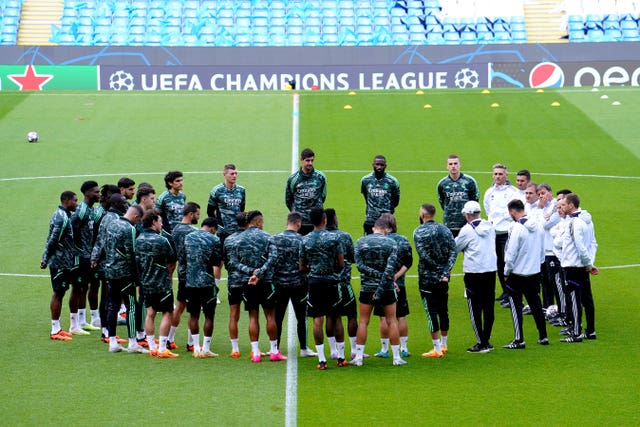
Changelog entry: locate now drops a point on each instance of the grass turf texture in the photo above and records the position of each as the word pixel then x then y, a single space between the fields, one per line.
pixel 145 135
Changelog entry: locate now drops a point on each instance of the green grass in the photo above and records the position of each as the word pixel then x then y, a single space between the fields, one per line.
pixel 584 144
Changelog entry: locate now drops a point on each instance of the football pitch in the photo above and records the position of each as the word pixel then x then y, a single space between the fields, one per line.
pixel 569 138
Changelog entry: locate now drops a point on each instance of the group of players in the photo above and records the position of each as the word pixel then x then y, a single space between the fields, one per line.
pixel 132 248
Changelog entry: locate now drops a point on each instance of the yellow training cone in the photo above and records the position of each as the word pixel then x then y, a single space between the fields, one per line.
pixel 555 104
pixel 495 105
pixel 352 93
pixel 486 91
pixel 419 92
pixel 540 91
pixel 427 105
pixel 348 107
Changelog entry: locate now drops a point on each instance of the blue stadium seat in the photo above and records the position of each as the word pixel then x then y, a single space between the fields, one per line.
pixel 434 37
pixel 630 35
pixel 277 40
pixel 400 39
pixel 451 37
pixel 519 36
pixel 468 36
pixel 330 39
pixel 294 40
pixel 613 35
pixel 576 35
pixel 502 37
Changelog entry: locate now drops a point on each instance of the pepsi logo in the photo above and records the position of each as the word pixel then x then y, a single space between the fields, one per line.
pixel 546 74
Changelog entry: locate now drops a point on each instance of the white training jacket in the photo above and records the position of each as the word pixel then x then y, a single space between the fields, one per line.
pixel 477 240
pixel 579 244
pixel 496 200
pixel 524 252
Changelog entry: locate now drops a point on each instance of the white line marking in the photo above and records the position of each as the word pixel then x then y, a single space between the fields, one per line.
pixel 577 175
pixel 413 276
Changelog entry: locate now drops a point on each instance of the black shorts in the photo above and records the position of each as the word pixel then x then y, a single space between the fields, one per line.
pixel 349 305
pixel 235 295
pixel 325 297
pixel 202 299
pixel 87 275
pixel 61 279
pixel 261 294
pixel 402 305
pixel 388 297
pixel 182 290
pixel 161 302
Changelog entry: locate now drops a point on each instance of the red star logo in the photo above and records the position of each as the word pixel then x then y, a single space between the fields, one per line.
pixel 30 80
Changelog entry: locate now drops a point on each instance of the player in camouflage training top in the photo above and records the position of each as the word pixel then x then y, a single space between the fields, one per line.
pixel 59 254
pixel 381 192
pixel 154 254
pixel 112 206
pixel 171 202
pixel 226 200
pixel 376 257
pixel 121 273
pixel 404 261
pixel 253 257
pixel 437 251
pixel 335 333
pixel 322 258
pixel 88 283
pixel 190 217
pixel 234 285
pixel 288 282
pixel 306 189
pixel 204 258
pixel 454 190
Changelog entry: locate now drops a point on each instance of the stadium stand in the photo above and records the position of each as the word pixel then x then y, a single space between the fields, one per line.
pixel 10 11
pixel 323 23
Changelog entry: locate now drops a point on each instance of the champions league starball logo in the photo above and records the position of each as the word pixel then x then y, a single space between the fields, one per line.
pixel 546 75
pixel 121 80
pixel 467 78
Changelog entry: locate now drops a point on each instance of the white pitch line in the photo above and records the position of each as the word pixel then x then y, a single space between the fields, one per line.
pixel 102 175
pixel 412 276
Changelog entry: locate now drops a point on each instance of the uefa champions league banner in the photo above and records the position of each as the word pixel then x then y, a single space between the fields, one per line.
pixel 252 78
pixel 33 77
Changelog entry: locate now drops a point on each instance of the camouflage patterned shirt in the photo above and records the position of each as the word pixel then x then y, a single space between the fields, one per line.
pixel 170 207
pixel 224 204
pixel 82 223
pixel 253 252
pixel 349 256
pixel 154 254
pixel 452 196
pixel 286 268
pixel 179 232
pixel 376 256
pixel 405 255
pixel 234 276
pixel 304 192
pixel 120 250
pixel 319 251
pixel 97 253
pixel 60 250
pixel 203 251
pixel 381 195
pixel 437 251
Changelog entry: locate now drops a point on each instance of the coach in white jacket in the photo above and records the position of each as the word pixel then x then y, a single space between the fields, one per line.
pixel 577 259
pixel 495 201
pixel 523 256
pixel 477 240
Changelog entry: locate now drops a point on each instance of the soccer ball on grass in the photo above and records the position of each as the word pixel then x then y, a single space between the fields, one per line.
pixel 32 136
